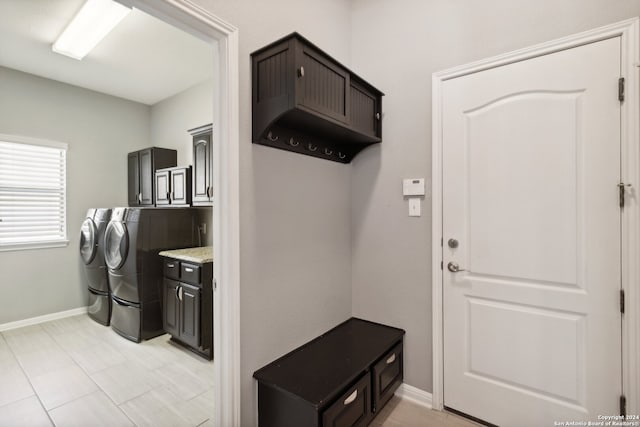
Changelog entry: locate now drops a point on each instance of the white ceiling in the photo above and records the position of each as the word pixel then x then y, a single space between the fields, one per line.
pixel 143 59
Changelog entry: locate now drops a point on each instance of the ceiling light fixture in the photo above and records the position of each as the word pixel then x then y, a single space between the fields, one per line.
pixel 90 25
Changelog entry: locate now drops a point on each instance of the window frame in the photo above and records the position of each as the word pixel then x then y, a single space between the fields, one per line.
pixel 44 244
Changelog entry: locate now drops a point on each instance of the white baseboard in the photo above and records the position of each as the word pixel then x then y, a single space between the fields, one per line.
pixel 415 395
pixel 42 319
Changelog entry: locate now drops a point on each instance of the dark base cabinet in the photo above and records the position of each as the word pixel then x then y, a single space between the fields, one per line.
pixel 188 305
pixel 340 379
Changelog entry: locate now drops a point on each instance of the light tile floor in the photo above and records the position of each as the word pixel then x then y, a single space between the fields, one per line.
pixel 75 372
pixel 402 413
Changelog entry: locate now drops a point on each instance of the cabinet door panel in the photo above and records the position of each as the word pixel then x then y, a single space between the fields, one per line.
pixel 171 307
pixel 323 86
pixel 178 183
pixel 162 188
pixel 146 177
pixel 353 408
pixel 202 168
pixel 364 107
pixel 387 376
pixel 133 172
pixel 190 315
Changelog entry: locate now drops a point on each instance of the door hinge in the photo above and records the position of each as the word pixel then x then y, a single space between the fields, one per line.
pixel 441 241
pixel 621 89
pixel 622 188
pixel 623 405
pixel 622 301
pixel 214 283
pixel 441 265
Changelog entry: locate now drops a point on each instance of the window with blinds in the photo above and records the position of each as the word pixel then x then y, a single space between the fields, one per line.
pixel 32 194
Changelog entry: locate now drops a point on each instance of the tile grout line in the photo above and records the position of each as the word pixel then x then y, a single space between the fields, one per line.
pixel 35 393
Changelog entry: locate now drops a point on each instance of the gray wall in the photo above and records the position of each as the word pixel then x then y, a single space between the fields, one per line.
pixel 99 131
pixel 170 120
pixel 173 116
pixel 397 46
pixel 295 210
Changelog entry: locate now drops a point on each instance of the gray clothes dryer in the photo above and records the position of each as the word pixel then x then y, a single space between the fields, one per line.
pixel 92 256
pixel 133 239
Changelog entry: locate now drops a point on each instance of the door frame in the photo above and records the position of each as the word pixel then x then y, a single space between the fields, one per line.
pixel 223 38
pixel 628 31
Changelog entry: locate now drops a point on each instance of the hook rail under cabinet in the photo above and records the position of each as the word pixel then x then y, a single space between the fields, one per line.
pixel 271 136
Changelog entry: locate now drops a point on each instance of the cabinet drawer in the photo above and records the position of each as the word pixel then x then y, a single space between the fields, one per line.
pixel 353 408
pixel 387 376
pixel 171 269
pixel 190 273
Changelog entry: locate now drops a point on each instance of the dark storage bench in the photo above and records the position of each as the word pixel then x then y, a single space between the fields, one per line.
pixel 342 378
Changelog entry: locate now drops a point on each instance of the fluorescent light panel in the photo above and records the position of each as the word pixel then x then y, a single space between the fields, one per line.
pixel 90 25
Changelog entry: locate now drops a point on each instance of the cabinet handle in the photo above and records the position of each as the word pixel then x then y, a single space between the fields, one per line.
pixel 171 265
pixel 139 197
pixel 173 195
pixel 377 116
pixel 391 359
pixel 178 292
pixel 301 72
pixel 168 196
pixel 188 270
pixel 351 397
pixel 180 295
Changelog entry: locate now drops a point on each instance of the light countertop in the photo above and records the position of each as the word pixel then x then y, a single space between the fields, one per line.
pixel 201 255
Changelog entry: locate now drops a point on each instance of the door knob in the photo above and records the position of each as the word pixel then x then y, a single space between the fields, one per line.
pixel 453 243
pixel 454 267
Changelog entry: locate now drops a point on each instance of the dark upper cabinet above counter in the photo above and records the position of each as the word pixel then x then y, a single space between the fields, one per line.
pixel 173 186
pixel 141 168
pixel 202 176
pixel 304 101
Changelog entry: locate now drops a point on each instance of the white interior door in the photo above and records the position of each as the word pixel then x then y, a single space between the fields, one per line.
pixel 531 163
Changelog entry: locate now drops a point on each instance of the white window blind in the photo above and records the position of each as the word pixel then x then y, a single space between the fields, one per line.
pixel 32 195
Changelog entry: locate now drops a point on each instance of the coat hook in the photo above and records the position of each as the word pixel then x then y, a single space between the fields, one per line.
pixel 293 142
pixel 312 147
pixel 342 156
pixel 270 137
pixel 328 152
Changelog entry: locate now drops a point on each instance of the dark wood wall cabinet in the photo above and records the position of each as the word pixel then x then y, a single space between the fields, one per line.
pixel 202 167
pixel 173 186
pixel 304 101
pixel 141 168
pixel 342 378
pixel 188 304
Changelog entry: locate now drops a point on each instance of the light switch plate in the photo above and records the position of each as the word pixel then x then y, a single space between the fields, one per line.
pixel 413 187
pixel 414 207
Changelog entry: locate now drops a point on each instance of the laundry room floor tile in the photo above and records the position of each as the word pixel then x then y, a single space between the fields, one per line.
pixel 26 412
pixel 126 380
pixel 63 385
pixel 95 410
pixel 152 409
pixel 29 339
pixel 14 385
pixel 96 357
pixel 40 362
